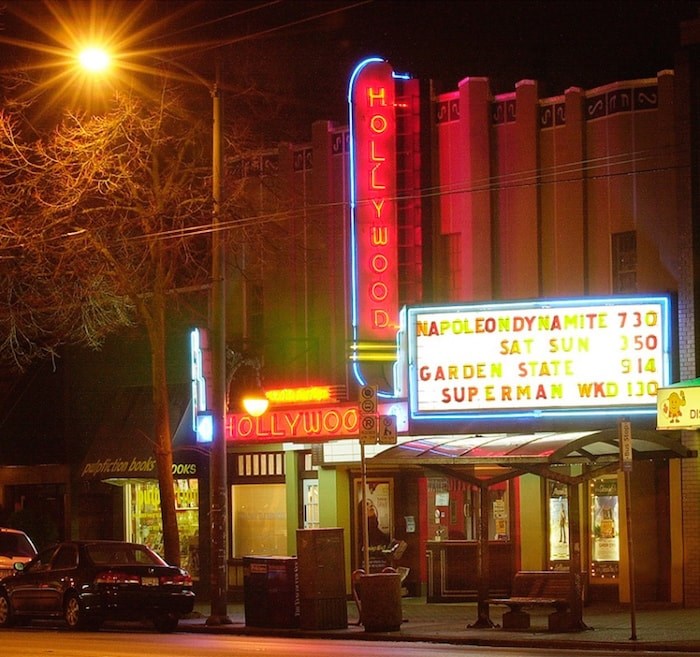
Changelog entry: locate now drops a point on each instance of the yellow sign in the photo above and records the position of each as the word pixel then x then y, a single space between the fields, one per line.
pixel 678 408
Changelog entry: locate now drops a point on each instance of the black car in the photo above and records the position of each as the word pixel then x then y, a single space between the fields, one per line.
pixel 89 582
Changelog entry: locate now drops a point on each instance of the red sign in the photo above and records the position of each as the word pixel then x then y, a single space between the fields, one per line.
pixel 374 142
pixel 295 424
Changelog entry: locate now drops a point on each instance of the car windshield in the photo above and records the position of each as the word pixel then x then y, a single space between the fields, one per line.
pixel 122 554
pixel 15 545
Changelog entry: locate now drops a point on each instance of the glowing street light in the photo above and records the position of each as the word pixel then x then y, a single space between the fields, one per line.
pixel 94 59
pixel 255 406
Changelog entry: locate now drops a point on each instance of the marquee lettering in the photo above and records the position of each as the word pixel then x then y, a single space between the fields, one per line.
pixel 563 355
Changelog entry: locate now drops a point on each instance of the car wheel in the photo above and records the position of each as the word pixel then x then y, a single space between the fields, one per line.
pixel 72 613
pixel 166 623
pixel 5 611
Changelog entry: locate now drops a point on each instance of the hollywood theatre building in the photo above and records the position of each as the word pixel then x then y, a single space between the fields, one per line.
pixel 512 276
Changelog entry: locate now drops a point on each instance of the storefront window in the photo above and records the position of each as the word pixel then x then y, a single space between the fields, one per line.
pixel 310 504
pixel 259 519
pixel 499 516
pixel 605 523
pixel 558 496
pixel 453 510
pixel 144 524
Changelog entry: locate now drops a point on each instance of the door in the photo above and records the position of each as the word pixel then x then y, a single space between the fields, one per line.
pixel 310 504
pixel 28 591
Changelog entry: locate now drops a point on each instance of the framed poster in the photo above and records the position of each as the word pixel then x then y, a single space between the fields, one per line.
pixel 558 498
pixel 380 522
pixel 605 523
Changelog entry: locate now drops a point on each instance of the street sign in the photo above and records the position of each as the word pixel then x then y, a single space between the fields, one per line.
pixel 369 425
pixel 387 430
pixel 368 400
pixel 626 445
pixel 369 421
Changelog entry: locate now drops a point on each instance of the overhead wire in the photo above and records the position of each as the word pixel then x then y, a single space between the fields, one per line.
pixel 502 181
pixel 574 172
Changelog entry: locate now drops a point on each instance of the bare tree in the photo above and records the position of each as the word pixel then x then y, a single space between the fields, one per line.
pixel 104 220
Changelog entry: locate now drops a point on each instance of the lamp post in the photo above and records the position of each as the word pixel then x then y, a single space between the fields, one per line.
pixel 97 60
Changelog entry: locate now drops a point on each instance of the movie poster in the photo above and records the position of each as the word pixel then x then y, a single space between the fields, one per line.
pixel 605 522
pixel 558 521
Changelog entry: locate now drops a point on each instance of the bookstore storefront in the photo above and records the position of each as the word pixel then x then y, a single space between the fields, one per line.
pixel 120 482
pixel 137 506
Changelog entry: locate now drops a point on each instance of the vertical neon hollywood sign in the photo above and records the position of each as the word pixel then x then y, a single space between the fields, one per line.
pixel 373 249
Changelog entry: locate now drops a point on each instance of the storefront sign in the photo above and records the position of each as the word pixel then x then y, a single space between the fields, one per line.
pixel 373 203
pixel 555 356
pixel 305 395
pixel 678 407
pixel 127 468
pixel 292 424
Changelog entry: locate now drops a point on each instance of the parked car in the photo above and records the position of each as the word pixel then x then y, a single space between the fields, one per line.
pixel 88 582
pixel 15 547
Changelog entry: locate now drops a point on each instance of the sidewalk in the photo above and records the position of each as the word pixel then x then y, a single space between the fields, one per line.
pixel 659 628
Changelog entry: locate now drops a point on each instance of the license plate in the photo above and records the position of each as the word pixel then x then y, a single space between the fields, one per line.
pixel 149 581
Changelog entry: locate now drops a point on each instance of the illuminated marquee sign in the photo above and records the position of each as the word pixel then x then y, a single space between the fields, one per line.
pixel 373 202
pixel 295 425
pixel 552 357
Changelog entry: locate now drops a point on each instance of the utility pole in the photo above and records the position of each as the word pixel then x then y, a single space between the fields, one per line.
pixel 217 458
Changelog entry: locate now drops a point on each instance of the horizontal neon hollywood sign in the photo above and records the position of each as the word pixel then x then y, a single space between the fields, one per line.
pixel 290 425
pixel 521 358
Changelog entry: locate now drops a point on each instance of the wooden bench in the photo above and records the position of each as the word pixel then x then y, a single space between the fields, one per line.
pixel 537 588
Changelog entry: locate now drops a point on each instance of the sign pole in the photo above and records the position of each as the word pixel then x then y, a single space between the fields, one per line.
pixel 630 550
pixel 368 435
pixel 365 516
pixel 626 465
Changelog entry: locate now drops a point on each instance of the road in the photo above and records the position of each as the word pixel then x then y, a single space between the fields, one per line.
pixel 42 642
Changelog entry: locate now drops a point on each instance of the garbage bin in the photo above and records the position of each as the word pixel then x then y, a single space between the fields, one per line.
pixel 270 592
pixel 380 602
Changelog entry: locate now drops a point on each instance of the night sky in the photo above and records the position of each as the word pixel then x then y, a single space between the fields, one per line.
pixel 302 51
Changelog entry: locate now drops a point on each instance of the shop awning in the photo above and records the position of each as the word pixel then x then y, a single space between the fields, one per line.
pixel 506 456
pixel 123 447
pixel 589 447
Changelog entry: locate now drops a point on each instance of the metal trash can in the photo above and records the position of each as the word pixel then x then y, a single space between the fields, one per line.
pixel 380 602
pixel 270 592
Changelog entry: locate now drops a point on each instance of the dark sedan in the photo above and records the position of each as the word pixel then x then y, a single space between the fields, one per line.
pixel 89 582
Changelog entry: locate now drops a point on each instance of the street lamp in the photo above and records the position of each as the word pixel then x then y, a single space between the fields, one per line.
pixel 95 60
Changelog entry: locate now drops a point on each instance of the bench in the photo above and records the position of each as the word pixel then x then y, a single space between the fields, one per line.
pixel 538 588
